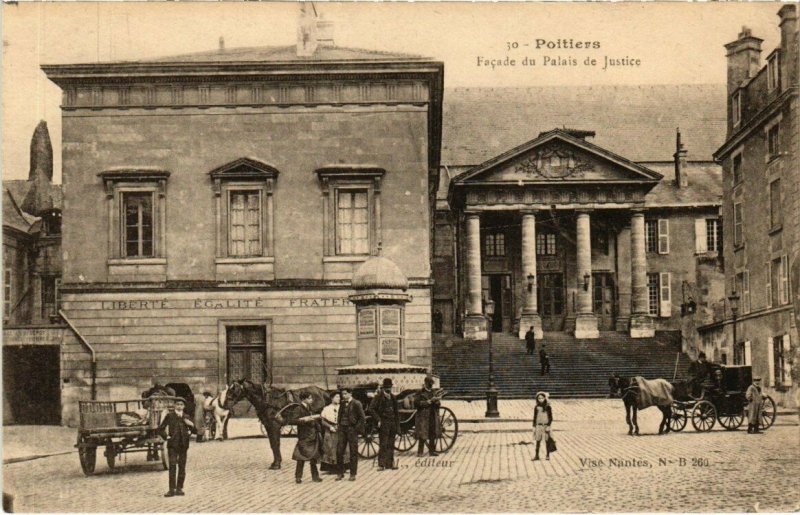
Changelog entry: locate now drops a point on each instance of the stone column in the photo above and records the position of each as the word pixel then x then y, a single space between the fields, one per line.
pixel 474 322
pixel 585 321
pixel 624 279
pixel 530 311
pixel 641 322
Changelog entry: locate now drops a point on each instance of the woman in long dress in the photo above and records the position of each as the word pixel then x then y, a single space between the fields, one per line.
pixel 330 437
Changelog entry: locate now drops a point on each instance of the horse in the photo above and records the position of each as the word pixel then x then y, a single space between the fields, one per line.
pixel 634 398
pixel 216 415
pixel 273 405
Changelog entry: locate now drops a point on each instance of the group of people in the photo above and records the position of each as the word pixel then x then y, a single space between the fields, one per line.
pixel 530 349
pixel 323 438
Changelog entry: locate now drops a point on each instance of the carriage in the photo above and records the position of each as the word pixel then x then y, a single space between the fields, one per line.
pixel 406 438
pixel 121 427
pixel 723 399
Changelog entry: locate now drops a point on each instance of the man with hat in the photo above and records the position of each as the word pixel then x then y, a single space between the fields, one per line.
pixel 426 421
pixel 384 408
pixel 175 429
pixel 351 422
pixel 754 399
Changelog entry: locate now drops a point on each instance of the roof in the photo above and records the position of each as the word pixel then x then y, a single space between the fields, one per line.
pixel 284 54
pixel 12 216
pixel 637 122
pixel 705 186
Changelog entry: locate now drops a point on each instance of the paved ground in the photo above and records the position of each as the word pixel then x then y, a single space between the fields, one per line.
pixel 488 470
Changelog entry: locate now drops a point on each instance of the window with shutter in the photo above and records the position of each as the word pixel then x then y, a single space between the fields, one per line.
pixel 786 364
pixel 768 284
pixel 748 353
pixel 784 280
pixel 772 360
pixel 738 234
pixel 665 298
pixel 700 236
pixel 663 236
pixel 651 235
pixel 746 291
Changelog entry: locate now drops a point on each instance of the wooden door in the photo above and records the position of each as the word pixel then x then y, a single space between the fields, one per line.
pixel 603 303
pixel 550 294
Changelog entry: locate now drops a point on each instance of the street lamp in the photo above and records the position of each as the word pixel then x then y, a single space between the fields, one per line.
pixel 586 278
pixel 491 391
pixel 531 282
pixel 734 303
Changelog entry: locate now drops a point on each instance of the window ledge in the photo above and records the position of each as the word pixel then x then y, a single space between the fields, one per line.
pixel 344 259
pixel 739 247
pixel 244 260
pixel 772 158
pixel 778 228
pixel 137 261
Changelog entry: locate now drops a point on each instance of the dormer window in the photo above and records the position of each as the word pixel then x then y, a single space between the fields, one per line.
pixel 774 71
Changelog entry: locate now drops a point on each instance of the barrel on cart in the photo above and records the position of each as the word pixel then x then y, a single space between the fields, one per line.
pixel 122 427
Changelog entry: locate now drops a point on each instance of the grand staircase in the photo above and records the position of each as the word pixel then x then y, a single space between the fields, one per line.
pixel 578 368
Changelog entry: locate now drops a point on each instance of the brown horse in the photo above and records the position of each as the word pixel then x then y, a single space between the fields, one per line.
pixel 273 405
pixel 630 391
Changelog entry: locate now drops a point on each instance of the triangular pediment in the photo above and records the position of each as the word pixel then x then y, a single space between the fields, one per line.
pixel 243 169
pixel 558 157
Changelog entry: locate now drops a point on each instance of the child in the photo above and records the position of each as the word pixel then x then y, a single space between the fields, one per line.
pixel 175 429
pixel 542 418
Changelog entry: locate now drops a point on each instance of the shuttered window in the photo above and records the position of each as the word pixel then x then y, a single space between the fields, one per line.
pixel 651 235
pixel 738 237
pixel 775 208
pixel 663 236
pixel 784 280
pixel 769 282
pixel 245 224
pixel 665 296
pixel 137 238
pixel 653 294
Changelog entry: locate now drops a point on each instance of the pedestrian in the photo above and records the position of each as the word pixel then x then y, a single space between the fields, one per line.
pixel 307 447
pixel 426 421
pixel 351 423
pixel 542 420
pixel 176 429
pixel 754 400
pixel 544 360
pixel 384 408
pixel 530 341
pixel 330 437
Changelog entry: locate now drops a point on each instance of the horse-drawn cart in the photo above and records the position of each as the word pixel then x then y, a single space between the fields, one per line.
pixel 723 399
pixel 121 427
pixel 406 438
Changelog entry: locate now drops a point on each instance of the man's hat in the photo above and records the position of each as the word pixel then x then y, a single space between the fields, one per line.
pixel 756 378
pixel 387 383
pixel 180 401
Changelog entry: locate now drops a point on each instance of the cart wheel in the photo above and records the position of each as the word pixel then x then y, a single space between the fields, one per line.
pixel 768 413
pixel 164 456
pixel 731 422
pixel 704 416
pixel 405 440
pixel 678 419
pixel 449 426
pixel 368 443
pixel 87 456
pixel 110 456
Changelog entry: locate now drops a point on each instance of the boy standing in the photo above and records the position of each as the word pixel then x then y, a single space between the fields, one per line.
pixel 175 429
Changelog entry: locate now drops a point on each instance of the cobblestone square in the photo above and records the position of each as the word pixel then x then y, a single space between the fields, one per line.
pixel 597 468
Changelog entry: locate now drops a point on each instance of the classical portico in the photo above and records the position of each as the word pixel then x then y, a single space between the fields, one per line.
pixel 553 232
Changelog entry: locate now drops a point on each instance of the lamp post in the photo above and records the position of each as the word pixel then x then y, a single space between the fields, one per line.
pixel 491 391
pixel 531 282
pixel 734 303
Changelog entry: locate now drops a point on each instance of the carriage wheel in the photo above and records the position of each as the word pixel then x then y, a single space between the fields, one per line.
pixel 368 446
pixel 405 440
pixel 704 416
pixel 449 425
pixel 87 456
pixel 768 413
pixel 678 419
pixel 110 456
pixel 164 456
pixel 731 422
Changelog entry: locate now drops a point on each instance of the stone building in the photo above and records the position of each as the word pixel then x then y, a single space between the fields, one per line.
pixel 565 234
pixel 32 331
pixel 761 195
pixel 216 206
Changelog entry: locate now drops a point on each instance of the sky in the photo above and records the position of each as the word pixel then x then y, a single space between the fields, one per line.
pixel 674 43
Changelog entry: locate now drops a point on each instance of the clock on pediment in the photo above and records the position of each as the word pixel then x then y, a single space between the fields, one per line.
pixel 554 162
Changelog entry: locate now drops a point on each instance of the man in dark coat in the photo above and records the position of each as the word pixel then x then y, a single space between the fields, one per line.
pixel 426 422
pixel 351 423
pixel 699 371
pixel 384 408
pixel 175 429
pixel 307 447
pixel 530 341
pixel 544 360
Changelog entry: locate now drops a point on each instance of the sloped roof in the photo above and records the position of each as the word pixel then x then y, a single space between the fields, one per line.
pixel 705 186
pixel 284 54
pixel 12 216
pixel 637 122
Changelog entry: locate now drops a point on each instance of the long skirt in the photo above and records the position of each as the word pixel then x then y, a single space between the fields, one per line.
pixel 329 441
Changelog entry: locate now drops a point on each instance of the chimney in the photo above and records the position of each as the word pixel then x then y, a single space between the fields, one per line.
pixel 222 43
pixel 744 59
pixel 681 175
pixel 307 31
pixel 789 36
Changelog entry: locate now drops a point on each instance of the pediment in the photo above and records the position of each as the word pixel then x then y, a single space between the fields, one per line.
pixel 558 157
pixel 245 168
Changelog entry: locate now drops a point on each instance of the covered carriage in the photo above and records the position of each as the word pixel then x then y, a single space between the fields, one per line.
pixel 722 399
